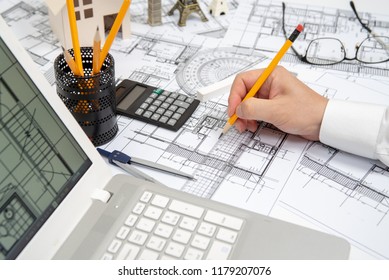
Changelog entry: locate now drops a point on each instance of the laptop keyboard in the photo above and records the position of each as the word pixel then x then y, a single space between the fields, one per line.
pixel 159 227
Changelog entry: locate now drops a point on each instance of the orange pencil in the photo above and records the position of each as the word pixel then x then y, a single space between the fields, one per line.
pixel 69 60
pixel 96 52
pixel 74 34
pixel 114 31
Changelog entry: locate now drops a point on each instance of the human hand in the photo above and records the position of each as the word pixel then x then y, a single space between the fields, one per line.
pixel 283 100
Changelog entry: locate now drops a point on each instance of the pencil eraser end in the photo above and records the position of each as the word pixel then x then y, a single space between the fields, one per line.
pixel 300 28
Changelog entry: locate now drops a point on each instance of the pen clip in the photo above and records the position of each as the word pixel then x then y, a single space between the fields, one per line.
pixel 115 155
pixel 119 156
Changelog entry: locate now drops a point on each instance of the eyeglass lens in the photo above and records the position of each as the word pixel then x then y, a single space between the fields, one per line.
pixel 325 51
pixel 374 50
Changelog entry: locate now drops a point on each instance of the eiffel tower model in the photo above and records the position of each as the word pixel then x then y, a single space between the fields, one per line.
pixel 186 7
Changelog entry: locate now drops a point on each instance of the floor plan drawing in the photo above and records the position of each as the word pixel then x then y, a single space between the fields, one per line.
pixel 29 20
pixel 369 183
pixel 323 187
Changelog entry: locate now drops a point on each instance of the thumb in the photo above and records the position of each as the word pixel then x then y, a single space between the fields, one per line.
pixel 256 109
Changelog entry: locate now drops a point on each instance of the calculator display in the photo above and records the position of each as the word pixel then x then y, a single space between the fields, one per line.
pixel 130 97
pixel 154 105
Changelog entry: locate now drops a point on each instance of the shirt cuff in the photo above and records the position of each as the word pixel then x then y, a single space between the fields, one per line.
pixel 352 126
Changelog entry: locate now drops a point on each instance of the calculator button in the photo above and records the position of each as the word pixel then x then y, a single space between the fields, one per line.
pixel 169 100
pixel 171 122
pixel 181 104
pixel 168 113
pixel 155 117
pixel 153 95
pixel 148 100
pixel 139 111
pixel 161 97
pixel 176 116
pixel 180 111
pixel 160 111
pixel 147 114
pixel 158 90
pixel 157 102
pixel 174 95
pixel 163 119
pixel 144 105
pixel 164 105
pixel 181 97
pixel 189 100
pixel 173 107
pixel 152 108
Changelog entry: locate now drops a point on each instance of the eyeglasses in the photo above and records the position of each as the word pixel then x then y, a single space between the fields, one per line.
pixel 330 51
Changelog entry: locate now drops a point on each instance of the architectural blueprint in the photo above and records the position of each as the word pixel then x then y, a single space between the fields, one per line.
pixel 215 26
pixel 259 26
pixel 267 171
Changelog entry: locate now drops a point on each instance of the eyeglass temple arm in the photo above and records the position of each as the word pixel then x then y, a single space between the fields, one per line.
pixel 301 57
pixel 359 19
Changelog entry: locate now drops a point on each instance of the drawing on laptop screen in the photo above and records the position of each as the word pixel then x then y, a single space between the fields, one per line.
pixel 34 176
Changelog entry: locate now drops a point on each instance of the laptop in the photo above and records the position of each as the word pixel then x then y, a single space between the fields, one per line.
pixel 59 200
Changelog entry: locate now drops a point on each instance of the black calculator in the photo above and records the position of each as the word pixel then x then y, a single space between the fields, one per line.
pixel 154 105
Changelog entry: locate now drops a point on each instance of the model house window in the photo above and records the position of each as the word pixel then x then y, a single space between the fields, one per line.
pixel 83 9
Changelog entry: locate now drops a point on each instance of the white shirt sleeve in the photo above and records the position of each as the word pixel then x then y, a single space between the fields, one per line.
pixel 358 128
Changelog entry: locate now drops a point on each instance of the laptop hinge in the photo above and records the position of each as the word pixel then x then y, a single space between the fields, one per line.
pixel 101 195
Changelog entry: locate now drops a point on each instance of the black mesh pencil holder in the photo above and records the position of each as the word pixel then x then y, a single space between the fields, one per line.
pixel 90 98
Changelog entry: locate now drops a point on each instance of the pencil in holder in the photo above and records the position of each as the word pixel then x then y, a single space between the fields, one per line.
pixel 91 97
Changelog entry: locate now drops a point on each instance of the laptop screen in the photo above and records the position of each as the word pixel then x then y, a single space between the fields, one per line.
pixel 40 161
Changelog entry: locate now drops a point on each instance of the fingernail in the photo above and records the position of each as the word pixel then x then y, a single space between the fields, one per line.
pixel 238 111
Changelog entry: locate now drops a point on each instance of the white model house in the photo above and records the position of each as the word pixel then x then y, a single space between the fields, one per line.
pixel 218 7
pixel 89 15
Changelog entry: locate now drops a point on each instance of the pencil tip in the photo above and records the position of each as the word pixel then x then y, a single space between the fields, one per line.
pixel 225 129
pixel 220 136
